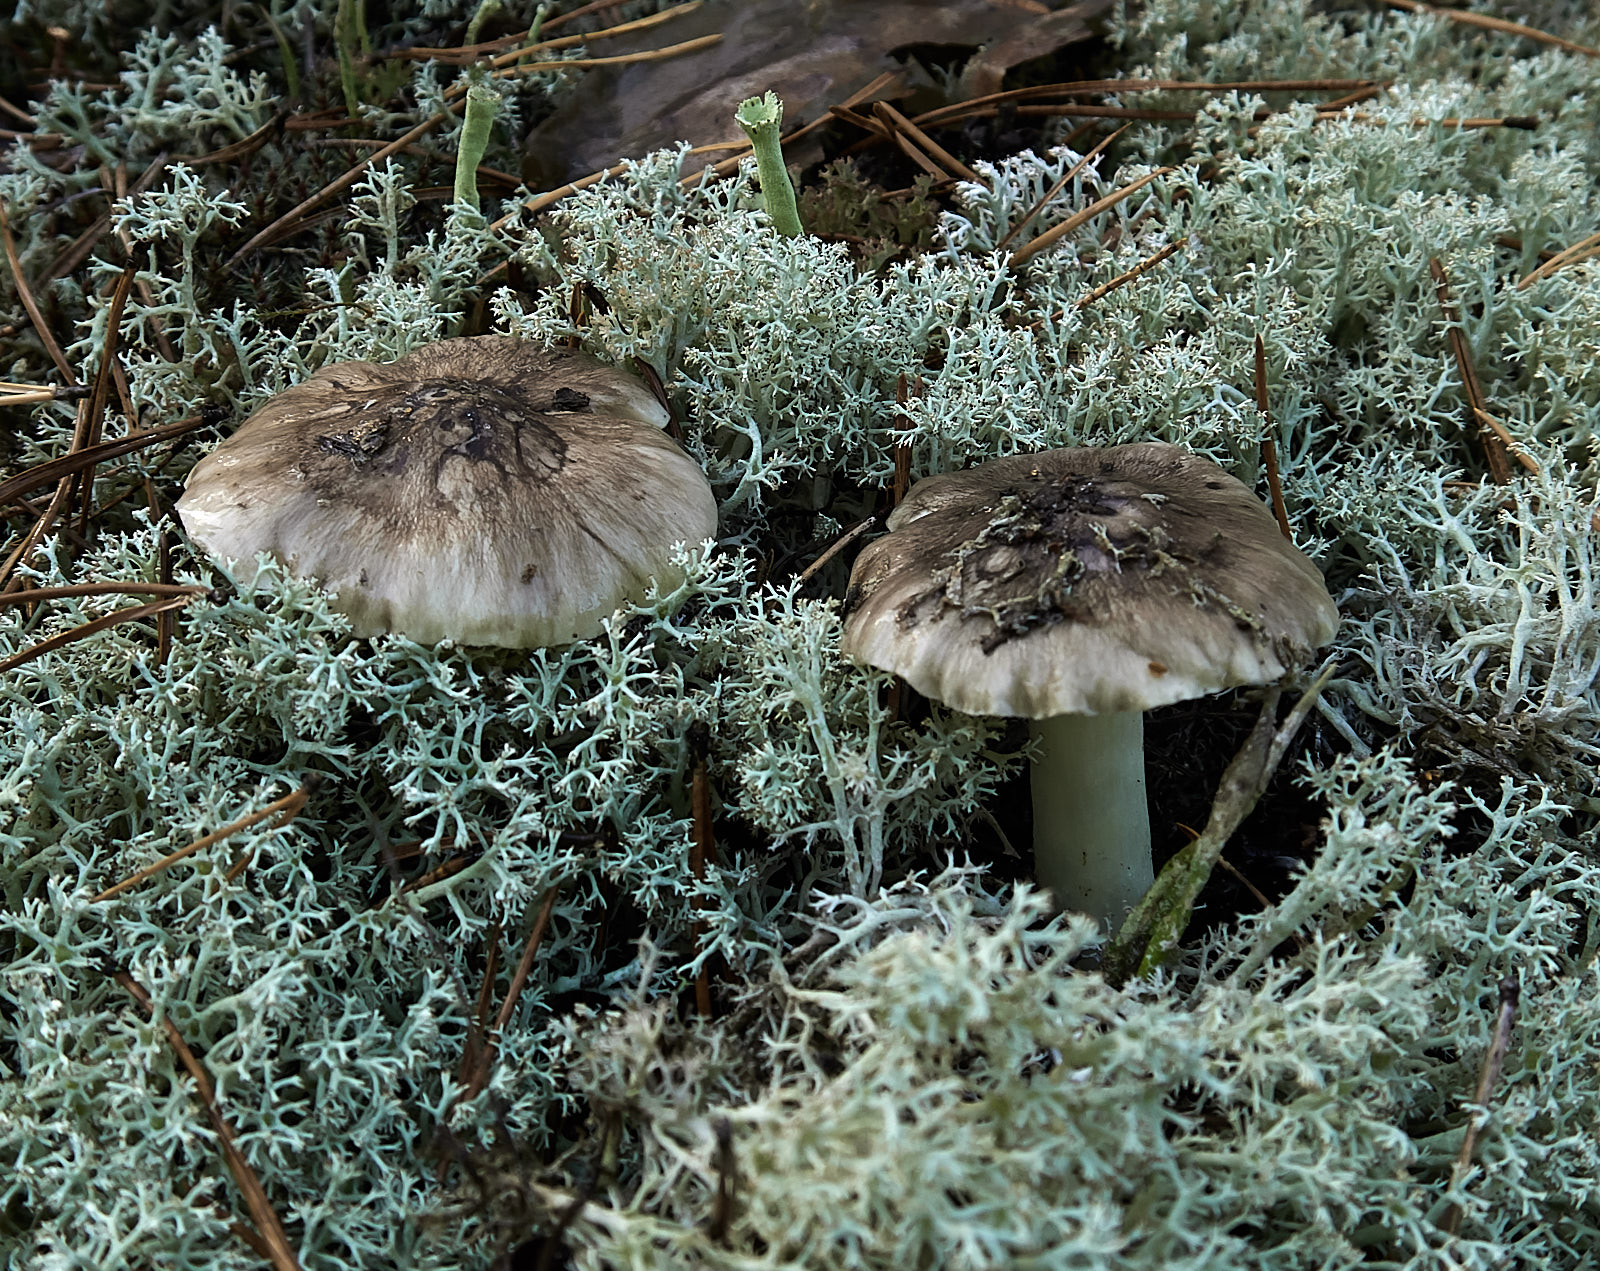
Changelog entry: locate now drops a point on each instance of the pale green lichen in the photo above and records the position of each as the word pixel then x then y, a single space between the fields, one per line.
pixel 911 1072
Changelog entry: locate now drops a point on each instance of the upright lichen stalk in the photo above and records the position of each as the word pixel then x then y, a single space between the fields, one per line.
pixel 760 118
pixel 481 103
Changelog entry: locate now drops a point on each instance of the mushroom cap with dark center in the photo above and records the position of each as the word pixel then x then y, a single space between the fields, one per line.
pixel 1084 581
pixel 484 490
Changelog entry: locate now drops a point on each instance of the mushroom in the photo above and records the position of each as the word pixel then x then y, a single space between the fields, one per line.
pixel 1078 588
pixel 483 490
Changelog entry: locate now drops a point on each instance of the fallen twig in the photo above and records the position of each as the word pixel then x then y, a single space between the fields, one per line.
pixel 1151 933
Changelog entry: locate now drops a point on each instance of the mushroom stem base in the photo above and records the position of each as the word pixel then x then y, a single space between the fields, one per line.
pixel 1091 825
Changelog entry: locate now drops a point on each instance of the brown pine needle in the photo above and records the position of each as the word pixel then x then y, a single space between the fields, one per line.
pixel 908 148
pixel 286 808
pixel 1511 444
pixel 53 470
pixel 1057 232
pixel 702 850
pixel 1269 446
pixel 30 540
pixel 1056 189
pixel 286 224
pixel 472 1048
pixel 463 55
pixel 25 294
pixel 102 589
pixel 1571 255
pixel 268 1229
pixel 82 633
pixel 843 541
pixel 1525 122
pixel 1122 280
pixel 958 110
pixel 239 149
pixel 12 394
pixel 1494 449
pixel 886 112
pixel 1487 23
pixel 100 395
pixel 17 113
pixel 524 968
pixel 1494 1060
pixel 622 59
pixel 582 11
pixel 1086 111
pixel 452 866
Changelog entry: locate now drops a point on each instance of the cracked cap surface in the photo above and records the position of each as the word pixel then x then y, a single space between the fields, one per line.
pixel 483 490
pixel 1084 581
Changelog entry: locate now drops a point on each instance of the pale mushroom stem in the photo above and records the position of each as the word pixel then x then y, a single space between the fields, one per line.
pixel 1091 826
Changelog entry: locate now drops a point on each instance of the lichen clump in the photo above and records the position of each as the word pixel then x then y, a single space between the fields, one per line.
pixel 909 1064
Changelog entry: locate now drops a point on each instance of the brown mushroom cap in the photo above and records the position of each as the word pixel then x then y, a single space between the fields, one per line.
pixel 1084 581
pixel 483 490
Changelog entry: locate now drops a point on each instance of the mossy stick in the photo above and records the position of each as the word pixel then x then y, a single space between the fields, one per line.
pixel 481 103
pixel 760 117
pixel 1153 930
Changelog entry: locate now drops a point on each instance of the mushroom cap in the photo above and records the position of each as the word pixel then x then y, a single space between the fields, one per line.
pixel 483 490
pixel 1084 581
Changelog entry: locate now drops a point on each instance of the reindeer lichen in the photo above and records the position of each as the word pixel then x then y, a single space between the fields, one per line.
pixel 911 1062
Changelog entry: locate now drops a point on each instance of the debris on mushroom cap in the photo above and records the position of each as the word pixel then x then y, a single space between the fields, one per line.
pixel 1084 581
pixel 483 490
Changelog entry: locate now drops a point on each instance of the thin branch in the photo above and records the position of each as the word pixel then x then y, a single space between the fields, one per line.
pixel 1083 162
pixel 1269 445
pixel 1121 280
pixel 1057 232
pixel 268 1227
pixel 285 809
pixel 1485 22
pixel 1494 448
pixel 87 629
pixel 24 294
pixel 1488 1077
